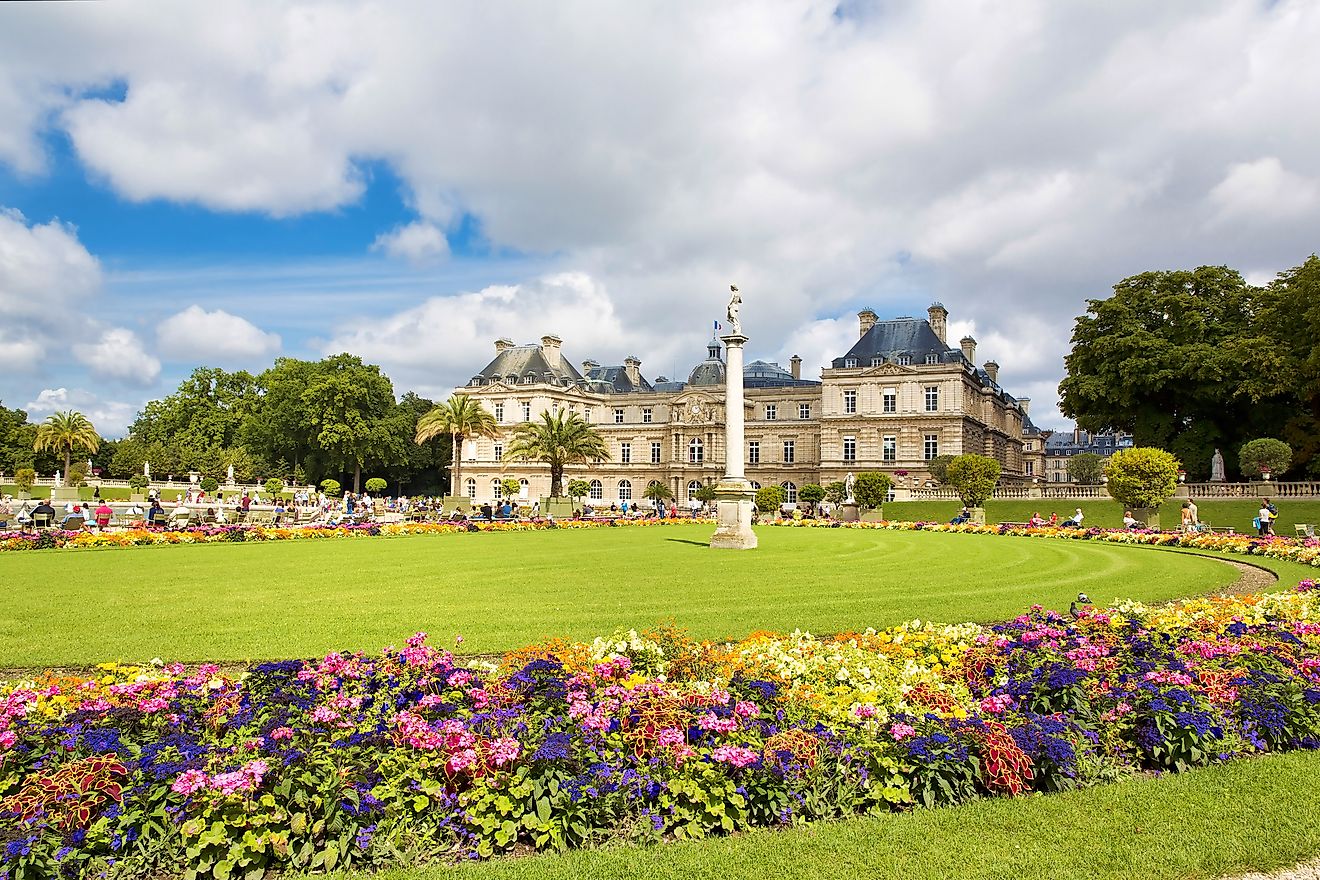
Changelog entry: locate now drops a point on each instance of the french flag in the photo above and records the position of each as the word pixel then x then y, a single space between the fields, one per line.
pixel 718 328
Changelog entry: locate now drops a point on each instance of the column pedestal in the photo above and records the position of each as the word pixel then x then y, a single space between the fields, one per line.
pixel 733 493
pixel 733 508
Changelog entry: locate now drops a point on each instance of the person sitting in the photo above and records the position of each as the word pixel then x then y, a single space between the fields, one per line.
pixel 1129 521
pixel 104 514
pixel 1054 519
pixel 43 515
pixel 506 510
pixel 1037 521
pixel 1075 522
pixel 75 519
pixel 6 514
pixel 963 516
pixel 156 515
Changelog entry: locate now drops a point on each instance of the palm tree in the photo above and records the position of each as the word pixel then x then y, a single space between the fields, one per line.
pixel 65 432
pixel 557 440
pixel 657 491
pixel 460 417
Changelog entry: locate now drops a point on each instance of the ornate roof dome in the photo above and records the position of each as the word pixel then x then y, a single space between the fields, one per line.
pixel 711 370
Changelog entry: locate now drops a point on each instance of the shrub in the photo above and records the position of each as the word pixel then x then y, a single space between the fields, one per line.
pixel 25 479
pixel 77 476
pixel 705 494
pixel 274 486
pixel 138 482
pixel 871 488
pixel 299 475
pixel 577 488
pixel 1142 476
pixel 376 485
pixel 330 487
pixel 939 467
pixel 511 488
pixel 770 498
pixel 836 492
pixel 209 485
pixel 1264 454
pixel 1086 468
pixel 974 477
pixel 812 493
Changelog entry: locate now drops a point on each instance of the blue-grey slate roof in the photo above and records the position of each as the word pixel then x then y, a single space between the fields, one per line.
pixel 888 340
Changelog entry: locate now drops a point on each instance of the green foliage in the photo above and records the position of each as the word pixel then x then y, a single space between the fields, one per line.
pixel 558 440
pixel 77 475
pixel 25 478
pixel 770 498
pixel 973 477
pixel 376 485
pixel 578 488
pixel 459 417
pixel 274 486
pixel 511 487
pixel 1141 476
pixel 705 493
pixel 139 482
pixel 1264 454
pixel 331 487
pixel 209 485
pixel 871 488
pixel 939 467
pixel 1086 468
pixel 812 493
pixel 836 492
pixel 657 491
pixel 65 432
pixel 299 475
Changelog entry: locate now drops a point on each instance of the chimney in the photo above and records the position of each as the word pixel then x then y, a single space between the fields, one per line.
pixel 795 366
pixel 969 349
pixel 587 367
pixel 633 367
pixel 992 369
pixel 1025 403
pixel 550 350
pixel 867 320
pixel 939 321
pixel 503 344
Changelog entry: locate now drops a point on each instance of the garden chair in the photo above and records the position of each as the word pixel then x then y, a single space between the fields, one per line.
pixel 1305 530
pixel 73 524
pixel 42 520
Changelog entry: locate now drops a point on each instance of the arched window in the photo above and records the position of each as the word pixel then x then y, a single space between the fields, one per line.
pixel 696 451
pixel 654 483
pixel 755 485
pixel 790 492
pixel 693 486
pixel 522 492
pixel 471 488
pixel 497 491
pixel 625 490
pixel 596 492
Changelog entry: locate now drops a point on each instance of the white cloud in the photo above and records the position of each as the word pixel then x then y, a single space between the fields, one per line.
pixel 196 335
pixel 1264 190
pixel 111 418
pixel 119 354
pixel 419 243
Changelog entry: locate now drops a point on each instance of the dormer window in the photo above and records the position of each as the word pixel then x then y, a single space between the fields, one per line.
pixel 850 362
pixel 905 360
pixel 932 358
pixel 877 361
pixel 527 380
pixel 476 380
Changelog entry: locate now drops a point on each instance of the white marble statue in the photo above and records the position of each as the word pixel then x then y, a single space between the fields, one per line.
pixel 59 481
pixel 229 475
pixel 735 305
pixel 1217 467
pixel 848 483
pixel 146 469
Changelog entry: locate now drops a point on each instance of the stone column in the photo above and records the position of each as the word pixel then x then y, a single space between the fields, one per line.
pixel 733 493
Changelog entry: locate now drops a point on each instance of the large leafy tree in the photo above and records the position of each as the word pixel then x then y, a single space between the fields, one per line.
pixel 460 417
pixel 1169 358
pixel 557 440
pixel 1288 372
pixel 208 409
pixel 65 432
pixel 349 406
pixel 424 466
pixel 1086 468
pixel 973 477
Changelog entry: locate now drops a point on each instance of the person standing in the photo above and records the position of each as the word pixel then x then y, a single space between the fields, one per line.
pixel 1264 517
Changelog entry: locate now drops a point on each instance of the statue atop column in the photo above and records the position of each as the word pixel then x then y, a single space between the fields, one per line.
pixel 735 305
pixel 1217 467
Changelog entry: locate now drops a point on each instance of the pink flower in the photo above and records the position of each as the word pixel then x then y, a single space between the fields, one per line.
pixel 282 733
pixel 504 750
pixel 746 709
pixel 671 736
pixel 324 715
pixel 7 739
pixel 709 721
pixel 734 756
pixel 997 704
pixel 154 704
pixel 460 761
pixel 189 781
pixel 864 711
pixel 459 678
pixel 900 731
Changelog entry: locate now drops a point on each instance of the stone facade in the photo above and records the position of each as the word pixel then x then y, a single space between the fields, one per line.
pixel 1061 447
pixel 899 397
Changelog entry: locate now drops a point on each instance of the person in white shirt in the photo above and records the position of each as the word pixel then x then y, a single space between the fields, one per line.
pixel 1128 519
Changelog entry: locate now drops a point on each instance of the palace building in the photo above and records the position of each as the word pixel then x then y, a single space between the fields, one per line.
pixel 900 396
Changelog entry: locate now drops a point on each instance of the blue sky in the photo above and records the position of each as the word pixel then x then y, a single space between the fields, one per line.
pixel 183 185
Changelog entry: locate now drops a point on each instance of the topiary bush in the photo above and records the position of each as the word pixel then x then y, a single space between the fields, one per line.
pixel 273 486
pixel 376 485
pixel 770 498
pixel 812 493
pixel 209 485
pixel 331 487
pixel 25 479
pixel 1142 476
pixel 577 488
pixel 511 488
pixel 871 488
pixel 77 476
pixel 973 477
pixel 1256 457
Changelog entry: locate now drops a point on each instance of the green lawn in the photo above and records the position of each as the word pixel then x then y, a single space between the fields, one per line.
pixel 1236 513
pixel 1214 822
pixel 504 590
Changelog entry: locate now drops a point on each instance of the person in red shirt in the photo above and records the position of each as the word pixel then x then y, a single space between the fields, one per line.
pixel 104 514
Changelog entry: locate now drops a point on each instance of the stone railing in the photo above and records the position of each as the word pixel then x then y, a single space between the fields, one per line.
pixel 1073 492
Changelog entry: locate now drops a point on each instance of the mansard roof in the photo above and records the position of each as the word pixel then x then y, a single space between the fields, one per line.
pixel 615 380
pixel 889 340
pixel 516 362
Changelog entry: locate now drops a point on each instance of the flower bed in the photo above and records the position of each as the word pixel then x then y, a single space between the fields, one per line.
pixel 1305 552
pixel 416 754
pixel 56 539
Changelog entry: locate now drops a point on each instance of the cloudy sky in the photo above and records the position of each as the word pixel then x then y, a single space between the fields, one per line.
pixel 221 184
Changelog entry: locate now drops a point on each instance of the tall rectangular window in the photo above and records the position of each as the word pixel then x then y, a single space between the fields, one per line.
pixel 850 401
pixel 804 410
pixel 754 452
pixel 625 453
pixel 889 401
pixel 889 448
pixel 932 446
pixel 646 414
pixel 771 412
pixel 1031 468
pixel 586 414
pixel 618 416
pixel 499 451
pixel 849 448
pixel 499 412
pixel 655 453
pixel 932 398
pixel 526 411
pixel 789 449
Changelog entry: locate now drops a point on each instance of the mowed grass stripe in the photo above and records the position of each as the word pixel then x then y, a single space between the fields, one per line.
pixel 500 591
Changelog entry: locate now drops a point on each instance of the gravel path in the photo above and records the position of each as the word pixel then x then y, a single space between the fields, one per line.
pixel 1305 871
pixel 1251 578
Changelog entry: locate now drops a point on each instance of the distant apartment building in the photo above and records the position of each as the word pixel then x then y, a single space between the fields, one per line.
pixel 1061 446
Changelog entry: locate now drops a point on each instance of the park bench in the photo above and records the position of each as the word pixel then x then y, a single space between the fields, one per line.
pixel 1305 530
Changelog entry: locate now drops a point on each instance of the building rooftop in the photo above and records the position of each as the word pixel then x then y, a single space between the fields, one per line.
pixel 894 339
pixel 519 364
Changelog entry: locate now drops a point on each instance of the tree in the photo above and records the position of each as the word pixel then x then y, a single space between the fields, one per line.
pixel 209 485
pixel 64 432
pixel 939 467
pixel 836 492
pixel 974 477
pixel 376 485
pixel 770 498
pixel 578 488
pixel 705 493
pixel 139 482
pixel 1086 468
pixel 331 487
pixel 511 488
pixel 77 475
pixel 1142 476
pixel 24 479
pixel 274 486
pixel 812 493
pixel 348 404
pixel 1290 368
pixel 1256 457
pixel 460 417
pixel 657 491
pixel 557 440
pixel 208 409
pixel 871 488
